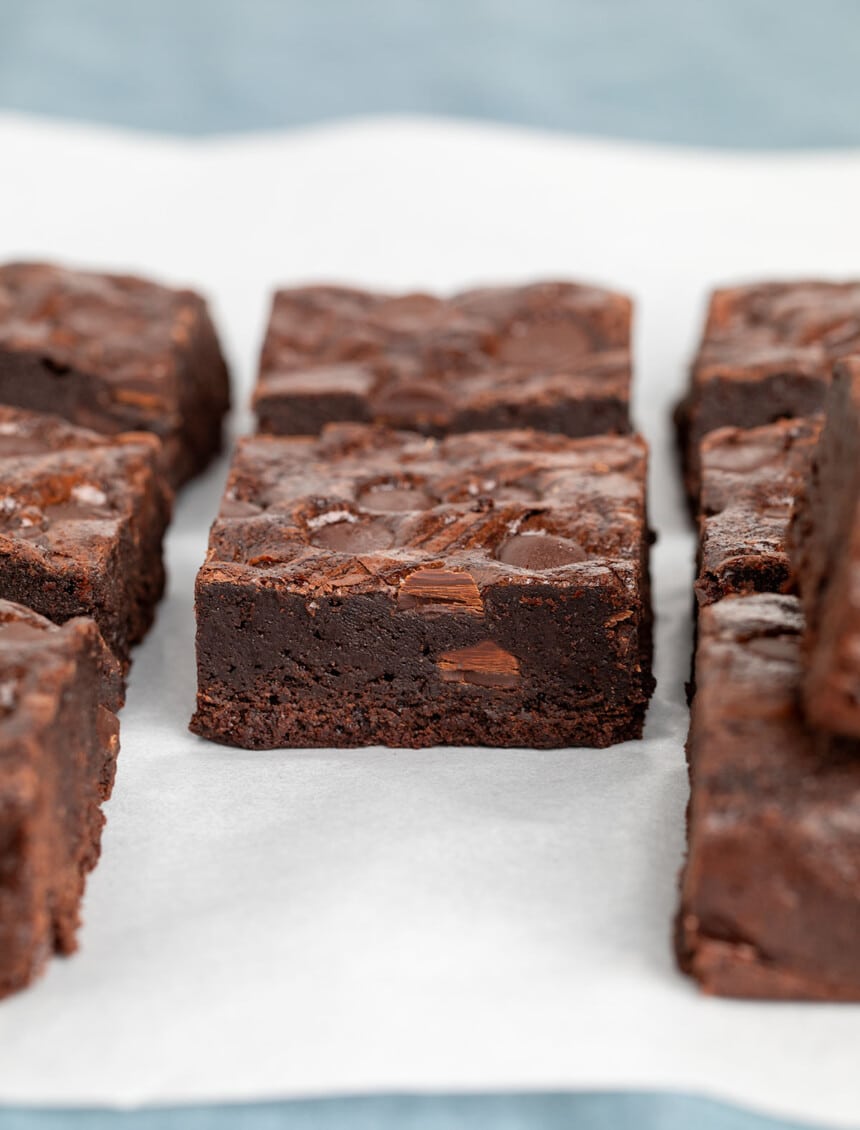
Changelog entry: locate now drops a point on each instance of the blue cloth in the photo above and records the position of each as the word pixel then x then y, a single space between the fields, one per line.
pixel 747 73
pixel 405 1112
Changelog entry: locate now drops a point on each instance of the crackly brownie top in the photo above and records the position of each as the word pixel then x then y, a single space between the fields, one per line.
pixel 748 672
pixel 129 332
pixel 65 491
pixel 561 336
pixel 35 658
pixel 364 507
pixel 800 327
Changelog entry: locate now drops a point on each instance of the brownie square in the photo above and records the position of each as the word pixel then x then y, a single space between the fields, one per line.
pixel 766 353
pixel 82 518
pixel 553 356
pixel 114 353
pixel 770 894
pixel 825 549
pixel 59 691
pixel 750 479
pixel 370 587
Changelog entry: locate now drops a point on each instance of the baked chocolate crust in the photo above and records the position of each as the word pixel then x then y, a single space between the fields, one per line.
pixel 750 479
pixel 766 354
pixel 770 895
pixel 115 354
pixel 370 587
pixel 552 356
pixel 60 688
pixel 825 551
pixel 82 519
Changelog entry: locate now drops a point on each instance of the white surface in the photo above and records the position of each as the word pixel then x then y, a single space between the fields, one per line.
pixel 273 924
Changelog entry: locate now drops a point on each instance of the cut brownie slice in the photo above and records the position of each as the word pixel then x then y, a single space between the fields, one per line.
pixel 770 895
pixel 82 517
pixel 750 479
pixel 59 691
pixel 114 353
pixel 371 587
pixel 554 356
pixel 766 354
pixel 825 548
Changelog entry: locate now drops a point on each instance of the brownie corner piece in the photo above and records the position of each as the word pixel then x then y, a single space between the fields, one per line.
pixel 114 353
pixel 82 520
pixel 824 543
pixel 770 892
pixel 766 353
pixel 550 355
pixel 369 587
pixel 750 478
pixel 60 687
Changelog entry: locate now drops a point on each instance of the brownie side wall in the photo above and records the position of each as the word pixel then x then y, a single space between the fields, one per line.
pixel 305 415
pixel 28 381
pixel 824 543
pixel 60 593
pixel 204 400
pixel 356 671
pixel 26 928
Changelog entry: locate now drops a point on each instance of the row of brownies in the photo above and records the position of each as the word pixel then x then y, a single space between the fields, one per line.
pixel 439 534
pixel 770 438
pixel 113 393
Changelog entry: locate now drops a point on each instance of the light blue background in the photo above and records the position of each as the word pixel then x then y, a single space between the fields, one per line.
pixel 752 73
pixel 734 73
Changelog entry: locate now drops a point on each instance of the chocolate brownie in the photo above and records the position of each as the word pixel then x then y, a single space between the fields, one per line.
pixel 750 478
pixel 370 587
pixel 82 517
pixel 770 895
pixel 825 548
pixel 553 356
pixel 115 354
pixel 766 354
pixel 59 691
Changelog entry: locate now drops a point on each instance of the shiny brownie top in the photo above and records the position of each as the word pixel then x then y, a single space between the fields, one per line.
pixel 415 355
pixel 362 507
pixel 65 492
pixel 129 332
pixel 769 328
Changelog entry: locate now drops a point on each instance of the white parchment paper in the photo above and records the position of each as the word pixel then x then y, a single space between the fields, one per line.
pixel 295 923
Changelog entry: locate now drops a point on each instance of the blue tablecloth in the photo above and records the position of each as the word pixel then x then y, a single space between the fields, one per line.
pixel 749 73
